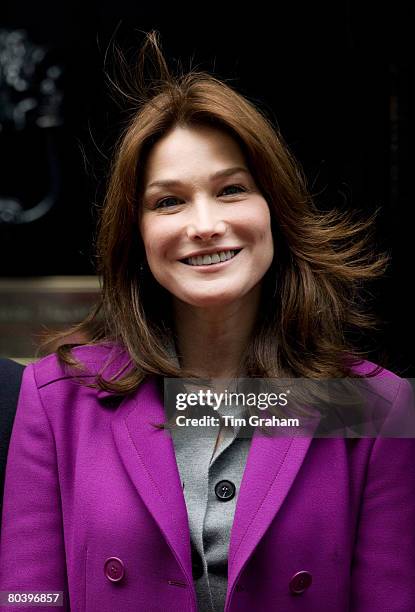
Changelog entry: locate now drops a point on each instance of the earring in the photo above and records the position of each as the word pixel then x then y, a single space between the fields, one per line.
pixel 141 271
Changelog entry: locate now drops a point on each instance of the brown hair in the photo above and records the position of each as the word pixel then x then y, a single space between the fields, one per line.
pixel 311 300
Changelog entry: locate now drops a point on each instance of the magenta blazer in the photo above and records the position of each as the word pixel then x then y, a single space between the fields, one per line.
pixel 94 507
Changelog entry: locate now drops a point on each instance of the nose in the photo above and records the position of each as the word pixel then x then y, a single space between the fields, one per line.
pixel 205 222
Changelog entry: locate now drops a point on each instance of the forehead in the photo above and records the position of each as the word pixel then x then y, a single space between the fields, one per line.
pixel 191 150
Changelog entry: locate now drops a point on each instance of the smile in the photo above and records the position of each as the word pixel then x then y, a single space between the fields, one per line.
pixel 211 259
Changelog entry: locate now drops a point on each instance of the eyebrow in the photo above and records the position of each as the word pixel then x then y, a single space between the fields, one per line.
pixel 219 174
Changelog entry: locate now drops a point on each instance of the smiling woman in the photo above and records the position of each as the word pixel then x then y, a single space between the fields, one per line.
pixel 215 263
pixel 199 172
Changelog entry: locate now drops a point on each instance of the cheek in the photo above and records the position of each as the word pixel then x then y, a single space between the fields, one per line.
pixel 157 237
pixel 257 222
pixel 264 237
pixel 265 224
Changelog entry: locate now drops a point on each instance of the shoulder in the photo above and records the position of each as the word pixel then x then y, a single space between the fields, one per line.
pixel 8 366
pixel 106 359
pixel 10 379
pixel 58 398
pixel 379 380
pixel 10 374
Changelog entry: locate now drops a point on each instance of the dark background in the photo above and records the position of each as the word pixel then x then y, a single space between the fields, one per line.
pixel 337 78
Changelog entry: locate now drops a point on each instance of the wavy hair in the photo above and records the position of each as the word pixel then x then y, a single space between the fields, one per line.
pixel 311 303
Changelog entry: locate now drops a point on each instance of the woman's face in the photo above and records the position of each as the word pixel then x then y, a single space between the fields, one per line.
pixel 206 227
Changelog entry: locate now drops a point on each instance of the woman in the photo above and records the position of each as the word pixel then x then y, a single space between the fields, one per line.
pixel 215 263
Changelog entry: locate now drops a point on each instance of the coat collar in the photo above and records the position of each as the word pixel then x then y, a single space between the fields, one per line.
pixel 149 458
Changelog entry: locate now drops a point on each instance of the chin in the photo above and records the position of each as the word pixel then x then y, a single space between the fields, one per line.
pixel 210 300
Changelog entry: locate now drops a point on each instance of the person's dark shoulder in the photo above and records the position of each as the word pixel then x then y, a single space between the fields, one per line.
pixel 10 378
pixel 10 370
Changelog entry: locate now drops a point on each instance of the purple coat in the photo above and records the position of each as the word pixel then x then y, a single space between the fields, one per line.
pixel 94 507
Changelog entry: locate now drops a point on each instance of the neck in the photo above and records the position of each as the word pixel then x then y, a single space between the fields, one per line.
pixel 212 341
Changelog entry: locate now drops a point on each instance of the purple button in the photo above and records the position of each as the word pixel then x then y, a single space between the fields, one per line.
pixel 300 582
pixel 114 569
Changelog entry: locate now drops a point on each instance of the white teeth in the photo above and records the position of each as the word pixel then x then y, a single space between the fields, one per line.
pixel 203 260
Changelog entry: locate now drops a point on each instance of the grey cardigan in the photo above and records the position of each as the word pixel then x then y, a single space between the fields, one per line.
pixel 210 518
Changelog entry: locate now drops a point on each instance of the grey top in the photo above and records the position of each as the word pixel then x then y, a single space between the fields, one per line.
pixel 210 518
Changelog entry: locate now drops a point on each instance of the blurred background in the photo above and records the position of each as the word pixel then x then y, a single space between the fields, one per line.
pixel 337 78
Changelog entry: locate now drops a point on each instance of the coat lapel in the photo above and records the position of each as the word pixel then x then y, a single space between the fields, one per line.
pixel 148 457
pixel 272 465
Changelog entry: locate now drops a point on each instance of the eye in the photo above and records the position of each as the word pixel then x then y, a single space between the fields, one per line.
pixel 238 187
pixel 166 202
